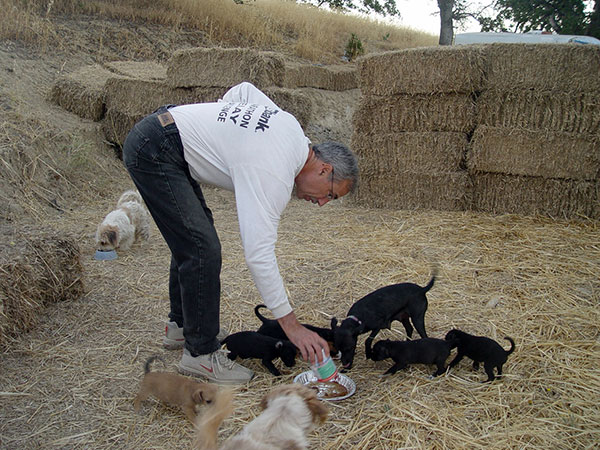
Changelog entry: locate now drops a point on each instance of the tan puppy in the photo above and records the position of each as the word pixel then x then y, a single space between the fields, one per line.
pixel 290 411
pixel 175 390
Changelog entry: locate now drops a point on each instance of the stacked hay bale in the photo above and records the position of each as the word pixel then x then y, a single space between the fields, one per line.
pixel 502 128
pixel 412 126
pixel 536 149
pixel 37 267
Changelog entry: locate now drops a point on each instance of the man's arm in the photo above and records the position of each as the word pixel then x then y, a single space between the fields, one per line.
pixel 310 344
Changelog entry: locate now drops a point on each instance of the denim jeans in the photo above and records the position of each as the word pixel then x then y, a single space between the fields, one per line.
pixel 153 156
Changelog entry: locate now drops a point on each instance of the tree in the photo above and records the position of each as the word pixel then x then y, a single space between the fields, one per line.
pixel 559 16
pixel 446 25
pixel 383 7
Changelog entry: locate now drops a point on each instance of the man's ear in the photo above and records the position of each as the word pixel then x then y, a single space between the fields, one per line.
pixel 325 168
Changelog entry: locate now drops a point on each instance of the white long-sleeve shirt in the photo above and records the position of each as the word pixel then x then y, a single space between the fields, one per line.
pixel 246 144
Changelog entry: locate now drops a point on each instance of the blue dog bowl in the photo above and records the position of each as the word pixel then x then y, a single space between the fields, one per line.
pixel 105 255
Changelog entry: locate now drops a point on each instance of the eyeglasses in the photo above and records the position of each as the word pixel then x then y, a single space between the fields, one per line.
pixel 331 195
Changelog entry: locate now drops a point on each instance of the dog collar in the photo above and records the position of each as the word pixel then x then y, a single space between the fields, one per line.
pixel 355 318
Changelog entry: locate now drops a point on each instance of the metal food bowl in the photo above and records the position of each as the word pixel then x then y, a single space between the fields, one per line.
pixel 105 255
pixel 309 376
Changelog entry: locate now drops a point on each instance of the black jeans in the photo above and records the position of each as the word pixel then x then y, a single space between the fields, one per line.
pixel 153 155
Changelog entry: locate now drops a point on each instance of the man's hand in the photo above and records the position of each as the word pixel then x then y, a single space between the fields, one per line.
pixel 310 344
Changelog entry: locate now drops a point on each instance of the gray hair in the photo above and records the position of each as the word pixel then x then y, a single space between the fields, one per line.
pixel 341 158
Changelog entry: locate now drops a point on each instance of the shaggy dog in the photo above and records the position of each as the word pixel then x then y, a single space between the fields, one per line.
pixel 175 390
pixel 122 226
pixel 479 349
pixel 290 411
pixel 404 302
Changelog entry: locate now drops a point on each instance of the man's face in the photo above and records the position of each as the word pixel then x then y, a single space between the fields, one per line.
pixel 317 187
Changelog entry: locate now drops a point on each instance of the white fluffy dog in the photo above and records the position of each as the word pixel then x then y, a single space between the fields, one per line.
pixel 290 411
pixel 122 226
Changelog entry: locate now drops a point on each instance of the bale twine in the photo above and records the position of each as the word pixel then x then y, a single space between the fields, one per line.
pixel 449 191
pixel 438 112
pixel 224 67
pixel 82 92
pixel 568 111
pixel 436 152
pixel 543 67
pixel 37 267
pixel 427 70
pixel 570 199
pixel 544 154
pixel 332 78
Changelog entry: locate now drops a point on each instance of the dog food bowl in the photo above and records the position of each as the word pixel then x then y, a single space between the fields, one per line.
pixel 309 376
pixel 105 255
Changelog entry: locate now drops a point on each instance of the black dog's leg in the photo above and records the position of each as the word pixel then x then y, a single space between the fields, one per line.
pixel 456 359
pixel 419 323
pixel 392 370
pixel 475 366
pixel 368 344
pixel 499 367
pixel 269 365
pixel 407 326
pixel 440 368
pixel 489 369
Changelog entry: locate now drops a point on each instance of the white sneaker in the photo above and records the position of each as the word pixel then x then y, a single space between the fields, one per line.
pixel 215 366
pixel 174 336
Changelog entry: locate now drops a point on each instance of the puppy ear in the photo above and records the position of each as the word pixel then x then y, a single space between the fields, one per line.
pixel 113 237
pixel 197 396
pixel 334 323
pixel 317 408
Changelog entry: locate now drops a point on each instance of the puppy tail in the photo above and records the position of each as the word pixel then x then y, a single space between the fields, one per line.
pixel 207 424
pixel 512 346
pixel 257 309
pixel 430 284
pixel 149 362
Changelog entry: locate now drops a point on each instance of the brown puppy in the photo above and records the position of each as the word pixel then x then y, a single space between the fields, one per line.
pixel 175 390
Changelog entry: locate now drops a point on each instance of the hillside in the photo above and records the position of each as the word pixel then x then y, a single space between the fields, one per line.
pixel 69 381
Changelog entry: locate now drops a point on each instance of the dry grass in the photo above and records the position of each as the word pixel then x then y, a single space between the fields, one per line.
pixel 70 384
pixel 296 29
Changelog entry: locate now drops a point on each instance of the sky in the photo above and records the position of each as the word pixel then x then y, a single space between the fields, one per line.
pixel 417 14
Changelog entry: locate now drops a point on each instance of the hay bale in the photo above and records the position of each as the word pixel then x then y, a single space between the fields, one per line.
pixel 449 191
pixel 569 199
pixel 550 67
pixel 569 111
pixel 427 70
pixel 37 267
pixel 82 92
pixel 440 112
pixel 411 151
pixel 544 154
pixel 224 67
pixel 145 70
pixel 332 77
pixel 129 100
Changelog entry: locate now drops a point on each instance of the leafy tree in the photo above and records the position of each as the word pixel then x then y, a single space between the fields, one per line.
pixel 383 7
pixel 559 16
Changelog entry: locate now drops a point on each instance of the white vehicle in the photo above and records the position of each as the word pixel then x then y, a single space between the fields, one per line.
pixel 531 38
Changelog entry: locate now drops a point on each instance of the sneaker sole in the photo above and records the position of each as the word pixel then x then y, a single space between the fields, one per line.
pixel 172 344
pixel 193 373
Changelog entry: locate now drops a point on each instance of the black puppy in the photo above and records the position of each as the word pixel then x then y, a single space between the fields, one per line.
pixel 420 351
pixel 271 327
pixel 479 349
pixel 404 302
pixel 250 344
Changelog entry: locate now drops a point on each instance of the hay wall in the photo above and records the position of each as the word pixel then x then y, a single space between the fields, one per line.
pixel 37 267
pixel 530 114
